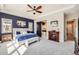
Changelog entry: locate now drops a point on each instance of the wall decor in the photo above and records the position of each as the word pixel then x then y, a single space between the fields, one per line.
pixel 21 23
pixel 54 23
pixel 6 25
pixel 30 26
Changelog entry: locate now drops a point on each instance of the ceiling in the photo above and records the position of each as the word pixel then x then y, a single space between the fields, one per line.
pixel 21 9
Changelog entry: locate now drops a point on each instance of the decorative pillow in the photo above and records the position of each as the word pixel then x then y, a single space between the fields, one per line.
pixel 18 33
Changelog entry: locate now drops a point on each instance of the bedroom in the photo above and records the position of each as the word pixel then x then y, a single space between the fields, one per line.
pixel 18 25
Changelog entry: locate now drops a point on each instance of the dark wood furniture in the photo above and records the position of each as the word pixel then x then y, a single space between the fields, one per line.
pixel 6 37
pixel 0 37
pixel 54 35
pixel 39 29
pixel 6 30
pixel 76 47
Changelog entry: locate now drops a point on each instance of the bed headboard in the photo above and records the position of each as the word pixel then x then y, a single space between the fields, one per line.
pixel 17 31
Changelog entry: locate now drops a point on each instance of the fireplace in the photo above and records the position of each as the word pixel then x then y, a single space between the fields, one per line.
pixel 54 35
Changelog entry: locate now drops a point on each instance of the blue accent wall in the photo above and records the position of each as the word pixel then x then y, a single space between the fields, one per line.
pixel 14 19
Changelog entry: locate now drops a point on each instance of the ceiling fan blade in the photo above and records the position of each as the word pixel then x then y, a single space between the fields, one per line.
pixel 39 7
pixel 39 11
pixel 30 6
pixel 30 10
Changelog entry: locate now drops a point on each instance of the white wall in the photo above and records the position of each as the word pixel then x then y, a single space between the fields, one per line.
pixel 35 26
pixel 61 27
pixel 2 7
pixel 76 34
pixel 57 16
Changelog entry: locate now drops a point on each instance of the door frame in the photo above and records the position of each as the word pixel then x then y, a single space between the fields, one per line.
pixel 73 20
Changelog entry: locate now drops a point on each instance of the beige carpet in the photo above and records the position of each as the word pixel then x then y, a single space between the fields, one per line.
pixel 43 47
pixel 48 47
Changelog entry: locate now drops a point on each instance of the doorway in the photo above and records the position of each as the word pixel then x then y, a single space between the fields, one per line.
pixel 42 28
pixel 70 30
pixel 39 31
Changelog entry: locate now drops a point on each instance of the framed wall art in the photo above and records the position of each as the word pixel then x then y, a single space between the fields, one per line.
pixel 21 23
pixel 54 23
pixel 30 26
pixel 6 25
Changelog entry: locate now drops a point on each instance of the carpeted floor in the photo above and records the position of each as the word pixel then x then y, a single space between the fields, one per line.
pixel 3 50
pixel 42 47
pixel 48 47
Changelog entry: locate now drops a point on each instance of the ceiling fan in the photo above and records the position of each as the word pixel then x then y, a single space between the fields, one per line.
pixel 35 9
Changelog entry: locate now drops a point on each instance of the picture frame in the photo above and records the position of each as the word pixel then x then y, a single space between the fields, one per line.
pixel 21 23
pixel 54 23
pixel 6 25
pixel 30 26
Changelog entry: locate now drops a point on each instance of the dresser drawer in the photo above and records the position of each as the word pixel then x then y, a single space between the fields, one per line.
pixel 6 37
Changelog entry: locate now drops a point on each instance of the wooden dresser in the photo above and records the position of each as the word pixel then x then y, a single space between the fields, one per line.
pixel 6 29
pixel 54 35
pixel 6 37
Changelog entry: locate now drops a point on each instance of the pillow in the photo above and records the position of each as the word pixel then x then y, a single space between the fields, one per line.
pixel 18 33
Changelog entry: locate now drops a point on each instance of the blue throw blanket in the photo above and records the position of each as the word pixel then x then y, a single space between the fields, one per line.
pixel 25 36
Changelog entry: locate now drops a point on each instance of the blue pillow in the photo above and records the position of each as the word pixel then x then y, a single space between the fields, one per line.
pixel 18 33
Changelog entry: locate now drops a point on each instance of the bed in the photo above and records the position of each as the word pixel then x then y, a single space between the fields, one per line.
pixel 30 37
